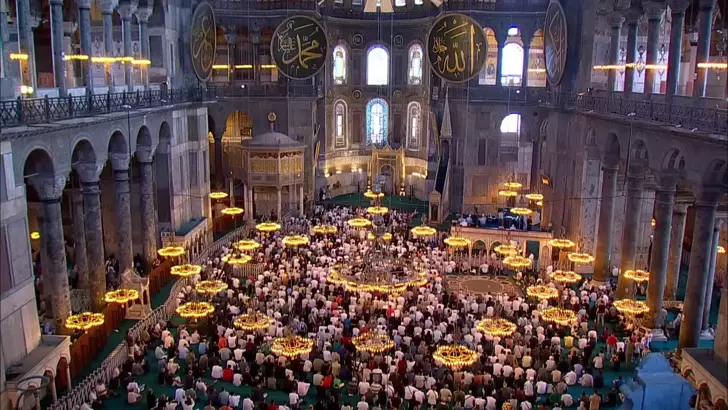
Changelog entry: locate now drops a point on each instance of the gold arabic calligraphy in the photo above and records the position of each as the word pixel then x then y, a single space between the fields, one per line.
pixel 301 49
pixel 203 41
pixel 456 48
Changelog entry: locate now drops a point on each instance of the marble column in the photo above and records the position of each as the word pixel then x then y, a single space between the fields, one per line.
pixel 501 36
pixel 219 172
pixel 231 38
pixel 711 274
pixel 59 66
pixel 149 223
pixel 50 190
pixel 526 38
pixel 705 27
pixel 632 211
pixel 664 200
pixel 126 10
pixel 89 176
pixel 79 239
pixel 4 40
pixel 120 165
pixel 653 11
pixel 721 330
pixel 606 222
pixel 84 28
pixel 25 40
pixel 677 233
pixel 535 182
pixel 615 21
pixel 705 208
pixel 143 14
pixel 300 199
pixel 278 205
pixel 632 17
pixel 677 27
pixel 107 13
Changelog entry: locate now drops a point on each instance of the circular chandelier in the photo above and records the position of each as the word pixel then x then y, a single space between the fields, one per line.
pixel 507 193
pixel 457 242
pixel 186 270
pixel 373 342
pixel 515 261
pixel 325 229
pixel 506 250
pixel 521 211
pixel 582 258
pixel 359 223
pixel 267 227
pixel 513 185
pixel 386 236
pixel 121 296
pixel 423 231
pixel 247 245
pixel 171 251
pixel 631 306
pixel 195 310
pixel 218 195
pixel 253 322
pixel 542 292
pixel 562 243
pixel 295 240
pixel 291 346
pixel 637 275
pixel 534 197
pixel 561 317
pixel 210 287
pixel 84 321
pixel 455 356
pixel 237 259
pixel 35 235
pixel 232 211
pixel 565 276
pixel 497 327
pixel 378 210
pixel 373 195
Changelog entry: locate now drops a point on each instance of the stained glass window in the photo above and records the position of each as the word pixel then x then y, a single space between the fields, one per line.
pixel 377 122
pixel 488 74
pixel 413 125
pixel 339 65
pixel 339 124
pixel 377 66
pixel 415 65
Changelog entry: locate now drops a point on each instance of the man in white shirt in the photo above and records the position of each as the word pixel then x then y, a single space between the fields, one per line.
pixel 248 404
pixel 293 399
pixel 541 387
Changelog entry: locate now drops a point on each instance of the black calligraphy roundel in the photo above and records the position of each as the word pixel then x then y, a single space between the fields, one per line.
pixel 203 41
pixel 456 48
pixel 555 42
pixel 299 47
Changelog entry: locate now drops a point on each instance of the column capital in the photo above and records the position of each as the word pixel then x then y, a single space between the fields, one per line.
pixel 88 172
pixel 108 6
pixel 707 4
pixel 667 181
pixel 653 9
pixel 609 165
pixel 632 15
pixel 49 187
pixel 143 14
pixel 231 38
pixel 615 19
pixel 127 9
pixel 678 6
pixel 119 161
pixel 83 4
pixel 145 154
pixel 56 2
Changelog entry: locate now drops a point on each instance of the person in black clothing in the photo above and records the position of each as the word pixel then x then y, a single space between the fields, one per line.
pixel 151 399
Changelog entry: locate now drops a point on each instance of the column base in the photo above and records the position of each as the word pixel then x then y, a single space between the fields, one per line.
pixel 658 335
pixel 706 335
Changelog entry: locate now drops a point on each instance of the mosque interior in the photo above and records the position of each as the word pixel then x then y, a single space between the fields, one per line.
pixel 143 142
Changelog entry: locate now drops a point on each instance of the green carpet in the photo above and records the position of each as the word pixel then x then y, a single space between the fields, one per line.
pixel 400 203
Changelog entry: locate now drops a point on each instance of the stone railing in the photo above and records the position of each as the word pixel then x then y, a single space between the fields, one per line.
pixel 81 392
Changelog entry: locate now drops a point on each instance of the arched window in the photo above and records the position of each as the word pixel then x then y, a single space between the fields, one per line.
pixel 512 65
pixel 339 65
pixel 511 124
pixel 377 121
pixel 340 124
pixel 536 62
pixel 414 76
pixel 377 66
pixel 488 74
pixel 414 121
pixel 400 3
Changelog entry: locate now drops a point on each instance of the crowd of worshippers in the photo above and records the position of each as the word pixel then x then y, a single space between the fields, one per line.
pixel 538 367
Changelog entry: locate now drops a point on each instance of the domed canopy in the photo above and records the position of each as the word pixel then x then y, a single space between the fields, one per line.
pixel 272 139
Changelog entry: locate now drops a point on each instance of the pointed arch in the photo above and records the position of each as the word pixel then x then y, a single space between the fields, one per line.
pixel 377 66
pixel 414 125
pixel 536 63
pixel 339 66
pixel 414 66
pixel 377 122
pixel 488 74
pixel 339 125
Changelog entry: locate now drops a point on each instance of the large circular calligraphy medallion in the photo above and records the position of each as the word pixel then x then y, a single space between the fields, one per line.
pixel 203 41
pixel 555 42
pixel 299 47
pixel 456 48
